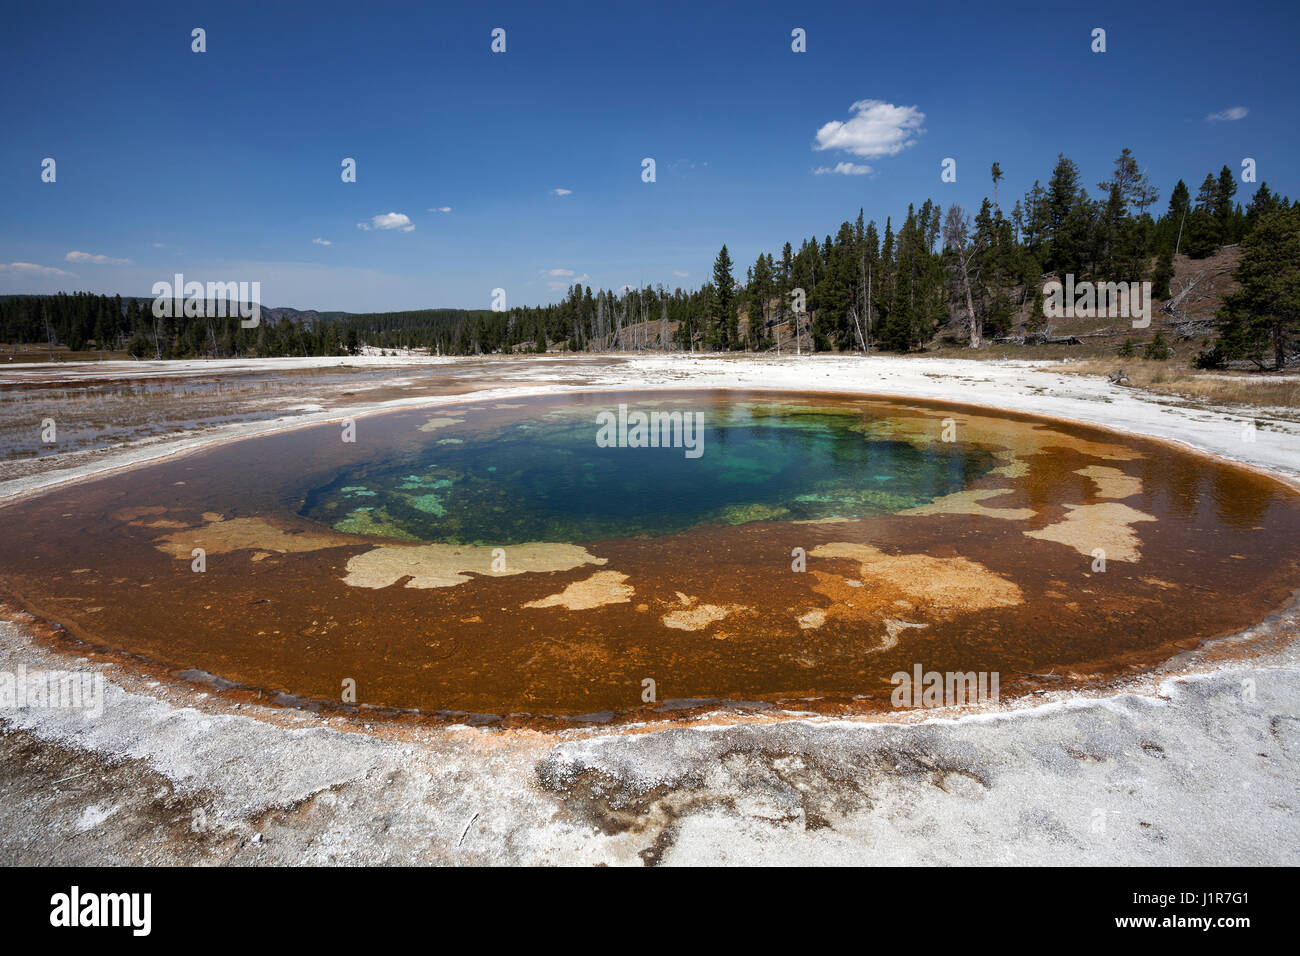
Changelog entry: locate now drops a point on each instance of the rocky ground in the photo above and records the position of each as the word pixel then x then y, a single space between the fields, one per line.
pixel 1194 764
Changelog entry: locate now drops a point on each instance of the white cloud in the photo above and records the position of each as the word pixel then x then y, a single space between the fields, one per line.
pixel 31 269
pixel 321 242
pixel 680 274
pixel 440 209
pixel 559 286
pixel 844 169
pixel 876 129
pixel 1228 115
pixel 75 256
pixel 557 272
pixel 561 192
pixel 388 220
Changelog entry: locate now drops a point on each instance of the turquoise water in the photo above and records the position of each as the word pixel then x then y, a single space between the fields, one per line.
pixel 547 479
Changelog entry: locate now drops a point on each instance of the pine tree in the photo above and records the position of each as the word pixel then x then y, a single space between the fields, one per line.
pixel 1264 313
pixel 1135 187
pixel 1164 272
pixel 1035 231
pixel 726 335
pixel 1062 200
pixel 1204 231
pixel 1108 230
pixel 1224 215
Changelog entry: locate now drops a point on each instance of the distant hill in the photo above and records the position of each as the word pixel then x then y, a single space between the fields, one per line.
pixel 276 313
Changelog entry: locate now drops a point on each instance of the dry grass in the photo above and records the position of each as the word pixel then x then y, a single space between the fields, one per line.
pixel 1266 389
pixel 36 352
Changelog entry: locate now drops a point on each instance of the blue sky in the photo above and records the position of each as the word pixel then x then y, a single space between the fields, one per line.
pixel 225 165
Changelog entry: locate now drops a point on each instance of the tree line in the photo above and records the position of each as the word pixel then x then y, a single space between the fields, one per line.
pixel 865 288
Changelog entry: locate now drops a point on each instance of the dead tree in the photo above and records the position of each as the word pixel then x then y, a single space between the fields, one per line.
pixel 1172 306
pixel 955 230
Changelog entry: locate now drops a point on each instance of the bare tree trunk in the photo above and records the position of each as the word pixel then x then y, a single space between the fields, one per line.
pixel 863 342
pixel 976 332
pixel 955 231
pixel 49 331
pixel 663 321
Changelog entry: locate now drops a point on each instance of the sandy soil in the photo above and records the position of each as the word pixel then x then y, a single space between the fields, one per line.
pixel 1194 764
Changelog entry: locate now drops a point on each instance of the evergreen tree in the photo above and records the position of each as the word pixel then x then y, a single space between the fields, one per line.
pixel 1164 272
pixel 1204 230
pixel 1263 315
pixel 1180 201
pixel 1225 189
pixel 726 335
pixel 1135 187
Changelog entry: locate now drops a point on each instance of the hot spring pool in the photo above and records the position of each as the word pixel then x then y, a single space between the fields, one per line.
pixel 618 555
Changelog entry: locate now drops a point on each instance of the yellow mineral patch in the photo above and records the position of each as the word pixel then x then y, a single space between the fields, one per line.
pixel 1088 527
pixel 446 565
pixel 944 585
pixel 433 424
pixel 811 620
pixel 253 534
pixel 1020 439
pixel 699 617
pixel 1054 439
pixel 866 609
pixel 970 503
pixel 135 514
pixel 1111 482
pixel 894 627
pixel 603 587
pixel 1159 583
pixel 1014 468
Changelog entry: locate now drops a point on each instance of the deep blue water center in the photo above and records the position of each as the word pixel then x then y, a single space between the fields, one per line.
pixel 547 479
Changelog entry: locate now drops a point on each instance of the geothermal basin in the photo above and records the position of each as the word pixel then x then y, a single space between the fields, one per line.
pixel 533 560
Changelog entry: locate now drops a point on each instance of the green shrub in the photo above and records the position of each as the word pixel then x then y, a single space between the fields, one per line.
pixel 1158 349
